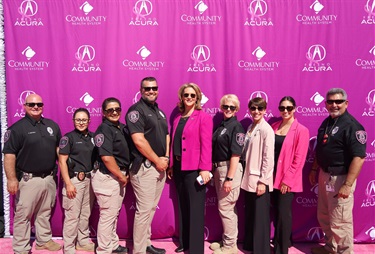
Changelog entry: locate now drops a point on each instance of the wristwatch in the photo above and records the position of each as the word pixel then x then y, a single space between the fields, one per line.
pixel 228 179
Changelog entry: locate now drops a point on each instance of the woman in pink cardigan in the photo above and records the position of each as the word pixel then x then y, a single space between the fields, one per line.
pixel 291 145
pixel 190 157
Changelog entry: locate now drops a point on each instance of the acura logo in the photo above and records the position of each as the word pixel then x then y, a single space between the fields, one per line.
pixel 23 96
pixel 258 7
pixel 28 8
pixel 200 54
pixel 85 54
pixel 260 94
pixel 142 8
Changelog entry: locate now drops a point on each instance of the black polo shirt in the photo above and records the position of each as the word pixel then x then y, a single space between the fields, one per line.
pixel 34 143
pixel 346 139
pixel 147 118
pixel 80 149
pixel 227 139
pixel 111 140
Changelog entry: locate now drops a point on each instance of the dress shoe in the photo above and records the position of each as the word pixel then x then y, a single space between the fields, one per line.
pixel 121 250
pixel 153 250
pixel 50 245
pixel 179 249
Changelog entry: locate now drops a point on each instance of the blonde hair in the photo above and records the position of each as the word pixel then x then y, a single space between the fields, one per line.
pixel 230 97
pixel 181 105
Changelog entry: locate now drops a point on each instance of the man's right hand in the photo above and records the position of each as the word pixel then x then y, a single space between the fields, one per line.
pixel 162 164
pixel 12 186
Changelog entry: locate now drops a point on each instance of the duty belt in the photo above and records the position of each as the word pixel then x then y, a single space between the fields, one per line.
pixel 336 170
pixel 104 170
pixel 221 164
pixel 81 175
pixel 27 176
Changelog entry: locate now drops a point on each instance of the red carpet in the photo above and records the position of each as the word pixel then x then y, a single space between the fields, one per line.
pixel 169 245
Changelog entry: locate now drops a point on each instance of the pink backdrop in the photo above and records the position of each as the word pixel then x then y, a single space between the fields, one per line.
pixel 76 53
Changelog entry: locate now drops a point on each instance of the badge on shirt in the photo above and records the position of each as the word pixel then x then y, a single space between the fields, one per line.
pixel 7 136
pixel 223 131
pixel 99 140
pixel 133 116
pixel 63 142
pixel 361 137
pixel 50 130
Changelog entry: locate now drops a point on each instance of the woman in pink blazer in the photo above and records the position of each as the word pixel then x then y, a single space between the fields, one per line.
pixel 291 145
pixel 190 157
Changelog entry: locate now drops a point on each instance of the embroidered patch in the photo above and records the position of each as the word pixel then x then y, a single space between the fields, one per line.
pixel 361 136
pixel 63 142
pixel 133 116
pixel 99 140
pixel 7 136
pixel 240 138
pixel 335 130
pixel 223 131
pixel 50 130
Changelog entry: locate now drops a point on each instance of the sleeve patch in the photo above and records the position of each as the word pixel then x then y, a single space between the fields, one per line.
pixel 133 116
pixel 63 142
pixel 7 135
pixel 361 137
pixel 99 140
pixel 240 138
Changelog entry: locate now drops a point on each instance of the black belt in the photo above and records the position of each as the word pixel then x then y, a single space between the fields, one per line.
pixel 221 163
pixel 107 172
pixel 42 175
pixel 336 170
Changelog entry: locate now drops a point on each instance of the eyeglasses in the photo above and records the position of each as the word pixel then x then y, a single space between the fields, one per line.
pixel 337 102
pixel 226 107
pixel 288 108
pixel 32 104
pixel 77 120
pixel 149 88
pixel 192 95
pixel 112 110
pixel 256 108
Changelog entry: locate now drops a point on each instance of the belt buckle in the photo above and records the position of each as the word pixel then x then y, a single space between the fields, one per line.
pixel 81 176
pixel 147 163
pixel 27 176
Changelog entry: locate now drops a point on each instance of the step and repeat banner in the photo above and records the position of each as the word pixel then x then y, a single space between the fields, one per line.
pixel 76 53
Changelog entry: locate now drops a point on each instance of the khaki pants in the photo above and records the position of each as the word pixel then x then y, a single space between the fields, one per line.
pixel 35 197
pixel 148 185
pixel 227 204
pixel 109 195
pixel 77 214
pixel 335 215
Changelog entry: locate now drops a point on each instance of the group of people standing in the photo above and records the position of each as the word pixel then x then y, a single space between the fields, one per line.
pixel 266 162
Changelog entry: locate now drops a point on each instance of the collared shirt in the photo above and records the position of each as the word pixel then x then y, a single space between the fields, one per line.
pixel 112 140
pixel 148 119
pixel 80 149
pixel 346 139
pixel 34 143
pixel 228 139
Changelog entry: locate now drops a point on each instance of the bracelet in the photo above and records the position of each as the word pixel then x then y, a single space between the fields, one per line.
pixel 228 179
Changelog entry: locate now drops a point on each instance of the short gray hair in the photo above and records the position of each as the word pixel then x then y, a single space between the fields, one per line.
pixel 341 91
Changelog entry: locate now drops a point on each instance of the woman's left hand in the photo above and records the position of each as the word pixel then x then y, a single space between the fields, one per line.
pixel 284 188
pixel 261 189
pixel 205 176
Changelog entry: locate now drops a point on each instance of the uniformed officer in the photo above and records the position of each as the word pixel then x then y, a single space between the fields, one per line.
pixel 227 145
pixel 340 154
pixel 76 158
pixel 149 131
pixel 109 181
pixel 30 148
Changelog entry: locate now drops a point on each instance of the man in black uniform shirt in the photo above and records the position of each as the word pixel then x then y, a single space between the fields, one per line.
pixel 340 154
pixel 30 148
pixel 149 131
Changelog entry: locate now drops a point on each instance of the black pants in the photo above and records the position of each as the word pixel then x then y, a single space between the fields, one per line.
pixel 257 222
pixel 283 221
pixel 191 205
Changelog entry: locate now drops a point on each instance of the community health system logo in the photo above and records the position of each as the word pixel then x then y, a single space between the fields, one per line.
pixel 141 63
pixel 318 109
pixel 370 101
pixel 369 63
pixel 316 54
pixel 200 18
pixel 28 10
pixel 21 101
pixel 369 19
pixel 369 200
pixel 85 18
pixel 85 55
pixel 316 18
pixel 30 61
pixel 142 10
pixel 257 10
pixel 86 99
pixel 200 55
pixel 257 64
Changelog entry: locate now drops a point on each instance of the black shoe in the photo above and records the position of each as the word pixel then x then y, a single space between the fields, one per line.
pixel 153 250
pixel 179 249
pixel 121 249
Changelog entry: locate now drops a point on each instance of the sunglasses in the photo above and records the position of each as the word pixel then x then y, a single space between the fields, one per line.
pixel 32 104
pixel 112 110
pixel 288 108
pixel 337 102
pixel 77 120
pixel 226 107
pixel 149 88
pixel 192 95
pixel 256 108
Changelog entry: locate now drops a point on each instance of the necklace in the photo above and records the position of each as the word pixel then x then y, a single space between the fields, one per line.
pixel 326 134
